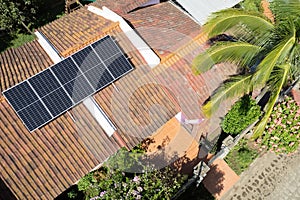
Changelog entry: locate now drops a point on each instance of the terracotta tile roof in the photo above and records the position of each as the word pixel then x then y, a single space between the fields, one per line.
pixel 164 35
pixel 73 31
pixel 120 7
pixel 46 162
pixel 137 94
pixel 17 64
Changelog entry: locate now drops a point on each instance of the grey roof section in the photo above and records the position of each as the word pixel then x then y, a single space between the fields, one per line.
pixel 201 9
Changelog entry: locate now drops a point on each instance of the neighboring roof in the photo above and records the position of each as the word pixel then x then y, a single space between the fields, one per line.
pixel 120 7
pixel 201 9
pixel 164 36
pixel 220 178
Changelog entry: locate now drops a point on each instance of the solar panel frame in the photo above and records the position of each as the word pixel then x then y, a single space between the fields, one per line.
pixel 83 74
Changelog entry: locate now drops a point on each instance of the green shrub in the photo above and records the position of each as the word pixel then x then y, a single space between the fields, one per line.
pixel 244 112
pixel 282 131
pixel 241 156
pixel 153 184
pixel 112 182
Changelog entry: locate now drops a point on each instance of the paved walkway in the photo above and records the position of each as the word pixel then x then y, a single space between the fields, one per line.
pixel 270 177
pixel 220 178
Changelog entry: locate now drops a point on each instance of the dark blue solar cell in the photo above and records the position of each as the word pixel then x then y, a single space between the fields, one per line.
pixel 66 70
pixel 86 59
pixel 57 102
pixel 20 96
pixel 34 115
pixel 44 83
pixel 78 89
pixel 106 48
pixel 99 77
pixel 118 66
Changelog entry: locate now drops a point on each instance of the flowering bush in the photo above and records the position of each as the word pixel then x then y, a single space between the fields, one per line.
pixel 282 131
pixel 111 182
pixel 157 184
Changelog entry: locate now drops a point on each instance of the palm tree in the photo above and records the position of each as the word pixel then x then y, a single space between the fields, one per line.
pixel 267 53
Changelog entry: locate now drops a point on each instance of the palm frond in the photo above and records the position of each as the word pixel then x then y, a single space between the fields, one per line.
pixel 224 20
pixel 277 81
pixel 235 86
pixel 276 57
pixel 285 8
pixel 240 53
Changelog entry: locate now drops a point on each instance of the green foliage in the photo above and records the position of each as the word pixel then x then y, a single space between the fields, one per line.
pixel 72 194
pixel 281 134
pixel 243 113
pixel 251 5
pixel 113 181
pixel 21 39
pixel 275 62
pixel 241 156
pixel 126 160
pixel 86 184
pixel 17 14
pixel 153 184
pixel 19 17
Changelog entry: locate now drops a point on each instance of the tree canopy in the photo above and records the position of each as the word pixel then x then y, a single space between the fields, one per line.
pixel 266 52
pixel 17 14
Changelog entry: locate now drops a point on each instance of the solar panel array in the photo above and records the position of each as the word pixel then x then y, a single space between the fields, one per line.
pixel 53 91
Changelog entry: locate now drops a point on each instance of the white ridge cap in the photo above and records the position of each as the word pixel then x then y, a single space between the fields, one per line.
pixel 150 57
pixel 99 116
pixel 48 48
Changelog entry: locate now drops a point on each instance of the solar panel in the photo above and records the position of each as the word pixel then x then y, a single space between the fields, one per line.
pixel 44 82
pixel 118 65
pixel 78 89
pixel 57 101
pixel 53 91
pixel 34 115
pixel 106 48
pixel 20 96
pixel 86 59
pixel 99 77
pixel 66 70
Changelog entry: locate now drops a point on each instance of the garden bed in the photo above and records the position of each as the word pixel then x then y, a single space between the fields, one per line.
pixel 241 156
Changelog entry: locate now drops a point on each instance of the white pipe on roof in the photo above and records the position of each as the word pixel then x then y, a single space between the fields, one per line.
pixel 150 57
